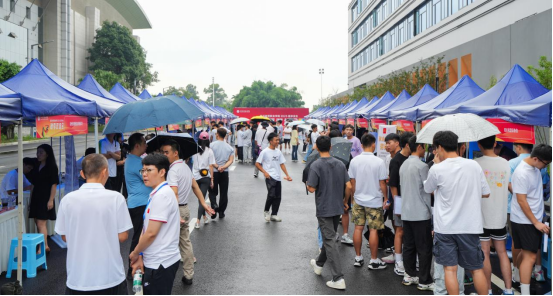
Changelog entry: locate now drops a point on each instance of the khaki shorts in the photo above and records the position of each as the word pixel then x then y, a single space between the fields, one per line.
pixel 372 216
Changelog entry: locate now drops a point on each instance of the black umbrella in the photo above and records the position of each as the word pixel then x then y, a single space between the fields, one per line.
pixel 188 146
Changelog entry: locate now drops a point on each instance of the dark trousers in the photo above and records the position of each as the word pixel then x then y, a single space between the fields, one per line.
pixel 240 153
pixel 304 146
pixel 220 183
pixel 274 189
pixel 137 223
pixel 120 289
pixel 110 183
pixel 204 187
pixel 295 152
pixel 417 240
pixel 160 281
pixel 328 226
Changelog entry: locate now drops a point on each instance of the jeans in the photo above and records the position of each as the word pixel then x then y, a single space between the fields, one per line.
pixel 295 152
pixel 204 184
pixel 329 251
pixel 309 150
pixel 439 280
pixel 220 182
pixel 417 240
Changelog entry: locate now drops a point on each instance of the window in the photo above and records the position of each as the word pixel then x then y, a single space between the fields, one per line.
pixel 1 3
pixel 437 11
pixel 28 12
pixel 421 19
pixel 12 5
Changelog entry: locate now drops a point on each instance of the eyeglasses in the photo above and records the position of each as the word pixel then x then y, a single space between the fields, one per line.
pixel 142 171
pixel 545 163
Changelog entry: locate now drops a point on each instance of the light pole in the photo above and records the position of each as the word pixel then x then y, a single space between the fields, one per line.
pixel 213 87
pixel 39 46
pixel 321 72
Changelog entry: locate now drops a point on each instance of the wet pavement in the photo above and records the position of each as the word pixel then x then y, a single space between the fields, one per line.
pixel 242 254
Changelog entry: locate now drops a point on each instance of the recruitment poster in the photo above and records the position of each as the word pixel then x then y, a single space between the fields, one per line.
pixel 61 125
pixel 383 131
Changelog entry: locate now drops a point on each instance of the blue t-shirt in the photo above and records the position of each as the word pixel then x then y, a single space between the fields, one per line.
pixel 138 192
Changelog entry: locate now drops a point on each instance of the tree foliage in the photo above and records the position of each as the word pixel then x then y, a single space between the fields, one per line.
pixel 543 73
pixel 116 50
pixel 8 70
pixel 108 79
pixel 267 94
pixel 189 91
pixel 220 95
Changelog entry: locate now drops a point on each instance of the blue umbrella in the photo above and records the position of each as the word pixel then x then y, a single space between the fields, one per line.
pixel 154 112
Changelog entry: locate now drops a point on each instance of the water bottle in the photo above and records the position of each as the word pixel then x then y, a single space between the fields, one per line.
pixel 13 197
pixel 137 282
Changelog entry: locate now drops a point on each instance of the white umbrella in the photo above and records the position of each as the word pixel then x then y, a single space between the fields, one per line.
pixel 315 121
pixel 240 119
pixel 297 122
pixel 468 127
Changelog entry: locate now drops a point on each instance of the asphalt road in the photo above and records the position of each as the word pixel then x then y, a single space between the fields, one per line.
pixel 241 254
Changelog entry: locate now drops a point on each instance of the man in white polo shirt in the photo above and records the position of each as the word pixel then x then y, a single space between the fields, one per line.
pixel 182 182
pixel 157 252
pixel 112 151
pixel 94 221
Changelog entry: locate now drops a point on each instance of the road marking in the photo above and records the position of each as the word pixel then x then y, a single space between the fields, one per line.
pixel 192 224
pixel 232 167
pixel 2 166
pixel 500 284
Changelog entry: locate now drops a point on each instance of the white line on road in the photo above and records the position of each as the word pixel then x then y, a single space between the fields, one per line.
pixel 191 225
pixel 232 167
pixel 500 284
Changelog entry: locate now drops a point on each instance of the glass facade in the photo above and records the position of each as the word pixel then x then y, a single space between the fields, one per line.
pixel 379 14
pixel 423 17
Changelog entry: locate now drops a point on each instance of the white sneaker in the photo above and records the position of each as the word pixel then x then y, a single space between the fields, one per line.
pixel 275 218
pixel 399 269
pixel 206 220
pixel 409 280
pixel 316 269
pixel 339 285
pixel 197 226
pixel 390 259
pixel 267 216
pixel 346 240
pixel 429 287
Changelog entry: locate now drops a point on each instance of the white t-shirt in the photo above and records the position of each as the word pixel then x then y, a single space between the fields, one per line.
pixel 494 208
pixel 180 176
pixel 527 180
pixel 202 161
pixel 110 147
pixel 91 219
pixel 213 135
pixel 162 206
pixel 368 170
pixel 10 183
pixel 262 138
pixel 288 132
pixel 271 159
pixel 314 136
pixel 239 138
pixel 270 129
pixel 458 185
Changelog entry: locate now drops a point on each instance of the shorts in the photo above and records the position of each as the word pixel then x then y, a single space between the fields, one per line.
pixel 458 249
pixel 372 216
pixel 526 237
pixel 286 141
pixel 495 234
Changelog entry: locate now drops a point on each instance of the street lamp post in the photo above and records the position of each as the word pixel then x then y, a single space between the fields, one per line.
pixel 39 46
pixel 321 72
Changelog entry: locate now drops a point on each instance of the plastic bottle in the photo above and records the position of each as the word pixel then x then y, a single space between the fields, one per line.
pixel 14 200
pixel 137 282
pixel 11 201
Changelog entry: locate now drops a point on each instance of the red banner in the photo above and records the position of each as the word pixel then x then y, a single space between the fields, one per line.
pixel 328 121
pixel 273 113
pixel 188 124
pixel 173 127
pixel 514 132
pixel 198 123
pixel 206 121
pixel 404 125
pixel 425 122
pixel 341 121
pixel 61 125
pixel 375 122
pixel 362 123
pixel 350 121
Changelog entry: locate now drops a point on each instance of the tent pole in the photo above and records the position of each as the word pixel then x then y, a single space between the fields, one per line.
pixel 96 144
pixel 20 201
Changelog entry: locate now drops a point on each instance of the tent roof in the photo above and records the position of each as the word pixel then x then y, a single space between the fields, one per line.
pixel 384 100
pixel 10 104
pixel 425 94
pixel 383 111
pixel 123 94
pixel 45 94
pixel 92 86
pixel 145 95
pixel 362 103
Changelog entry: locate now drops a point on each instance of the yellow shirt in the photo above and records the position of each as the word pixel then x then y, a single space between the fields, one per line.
pixel 294 140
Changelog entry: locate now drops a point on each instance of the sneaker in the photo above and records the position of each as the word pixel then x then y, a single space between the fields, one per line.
pixel 346 240
pixel 340 284
pixel 303 161
pixel 255 175
pixel 468 281
pixel 538 275
pixel 316 269
pixel 267 216
pixel 409 280
pixel 358 262
pixel 389 250
pixel 390 259
pixel 186 281
pixel 376 264
pixel 399 269
pixel 507 293
pixel 275 218
pixel 429 287
pixel 197 226
pixel 206 220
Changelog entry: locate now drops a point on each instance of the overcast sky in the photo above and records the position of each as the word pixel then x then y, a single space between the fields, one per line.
pixel 240 41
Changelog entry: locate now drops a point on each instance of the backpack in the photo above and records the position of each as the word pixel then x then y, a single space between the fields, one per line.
pixel 385 237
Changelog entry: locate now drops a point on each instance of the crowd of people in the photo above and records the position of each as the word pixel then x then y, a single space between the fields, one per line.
pixel 441 205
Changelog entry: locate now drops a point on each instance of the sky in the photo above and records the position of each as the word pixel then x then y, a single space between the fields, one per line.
pixel 239 41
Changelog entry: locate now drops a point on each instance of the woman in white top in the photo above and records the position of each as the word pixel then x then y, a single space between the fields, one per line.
pixel 202 171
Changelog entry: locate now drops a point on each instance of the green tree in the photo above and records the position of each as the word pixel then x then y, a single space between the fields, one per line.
pixel 267 94
pixel 543 73
pixel 108 79
pixel 116 50
pixel 8 70
pixel 191 92
pixel 171 90
pixel 220 95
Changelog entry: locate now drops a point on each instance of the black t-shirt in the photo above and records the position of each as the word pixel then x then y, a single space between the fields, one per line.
pixel 395 164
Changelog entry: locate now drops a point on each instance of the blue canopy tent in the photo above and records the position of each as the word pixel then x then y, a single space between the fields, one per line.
pixel 145 95
pixel 425 94
pixel 465 89
pixel 123 94
pixel 207 113
pixel 317 112
pixel 329 113
pixel 159 95
pixel 10 105
pixel 382 113
pixel 362 103
pixel 363 109
pixel 349 107
pixel 384 100
pixel 342 108
pixel 92 86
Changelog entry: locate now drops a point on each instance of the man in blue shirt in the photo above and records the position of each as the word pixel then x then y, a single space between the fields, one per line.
pixel 138 192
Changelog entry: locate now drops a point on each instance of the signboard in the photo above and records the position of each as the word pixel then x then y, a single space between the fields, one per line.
pixel 273 113
pixel 404 125
pixel 342 121
pixel 362 123
pixel 207 121
pixel 159 128
pixel 350 121
pixel 514 132
pixel 188 124
pixel 61 125
pixel 425 122
pixel 383 131
pixel 198 123
pixel 173 127
pixel 328 121
pixel 375 123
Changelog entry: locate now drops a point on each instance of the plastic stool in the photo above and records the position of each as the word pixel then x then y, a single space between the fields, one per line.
pixel 31 260
pixel 546 259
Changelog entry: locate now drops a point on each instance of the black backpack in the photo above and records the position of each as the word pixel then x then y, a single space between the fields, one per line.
pixel 385 237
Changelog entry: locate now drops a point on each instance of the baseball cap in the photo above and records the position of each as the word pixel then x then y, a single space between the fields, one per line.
pixel 204 136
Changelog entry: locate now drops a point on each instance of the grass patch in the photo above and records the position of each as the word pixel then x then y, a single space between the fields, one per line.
pixel 25 138
pixel 100 128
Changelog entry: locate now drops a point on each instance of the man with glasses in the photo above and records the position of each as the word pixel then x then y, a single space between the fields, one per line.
pixel 137 191
pixel 157 253
pixel 527 212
